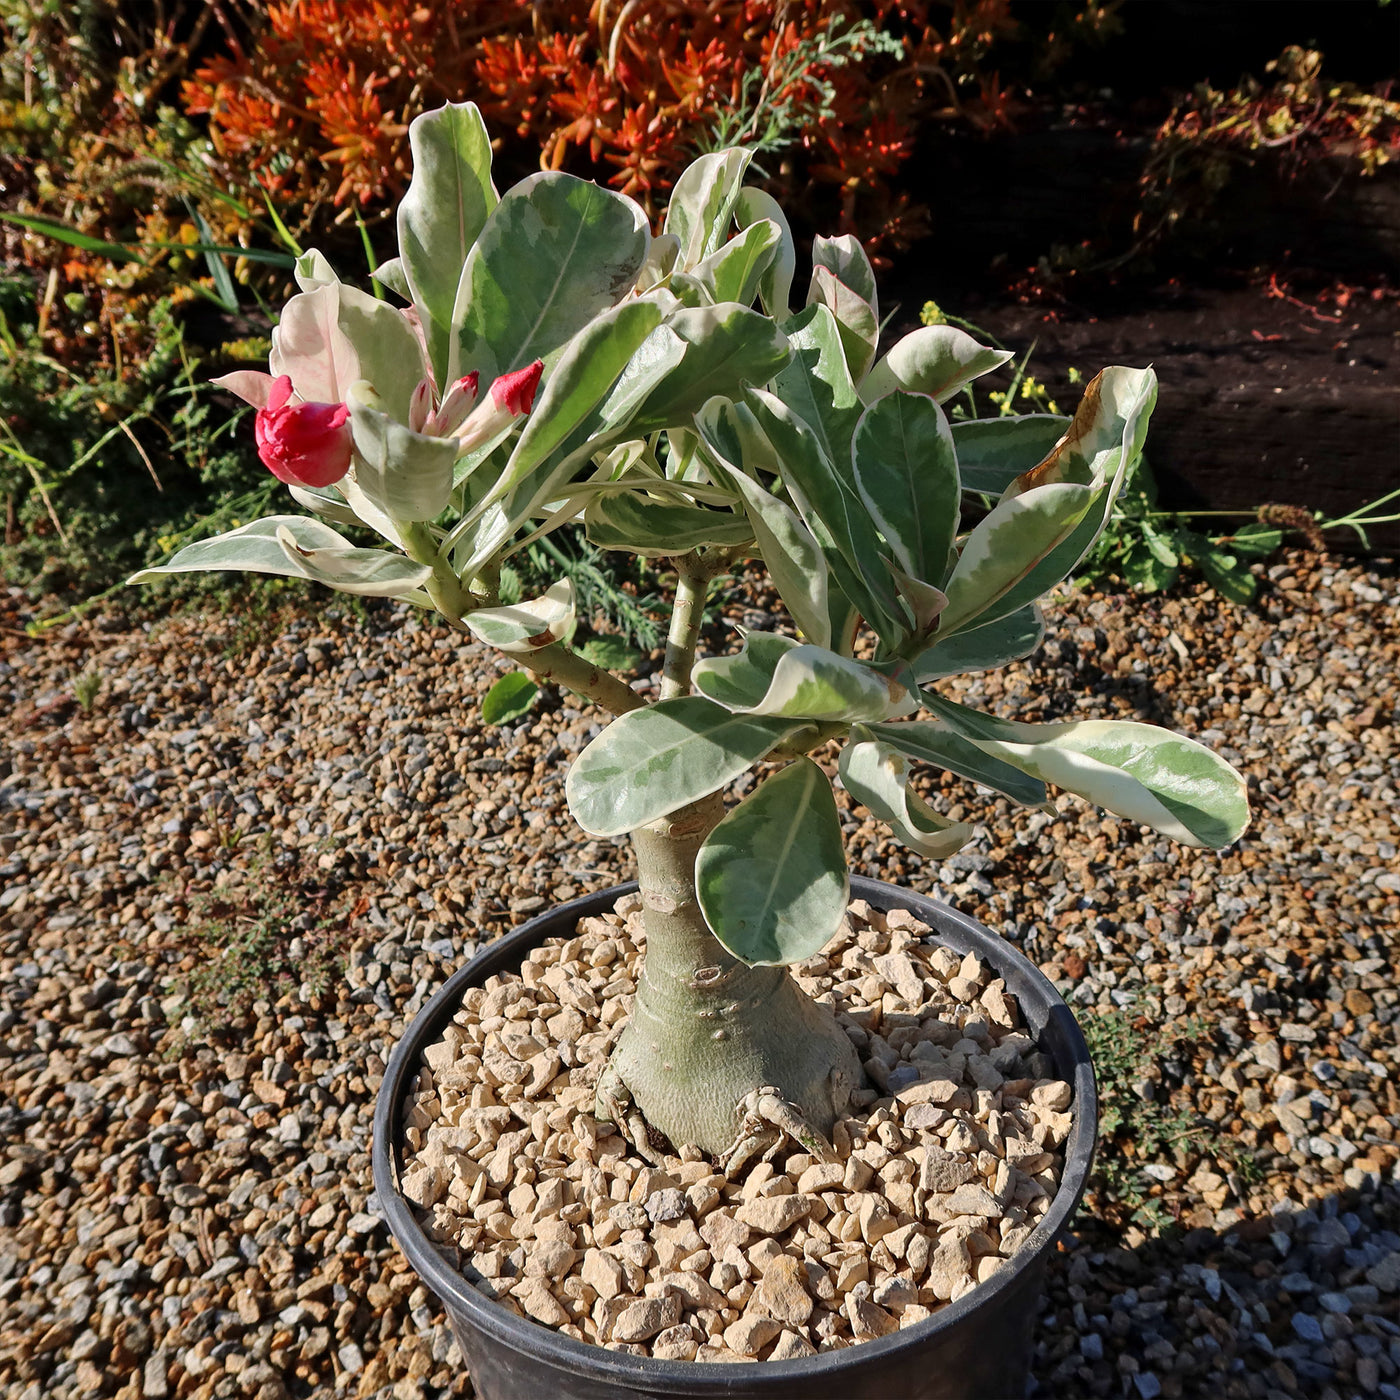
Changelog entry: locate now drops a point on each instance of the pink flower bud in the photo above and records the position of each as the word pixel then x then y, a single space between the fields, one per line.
pixel 303 444
pixel 456 403
pixel 511 396
pixel 420 406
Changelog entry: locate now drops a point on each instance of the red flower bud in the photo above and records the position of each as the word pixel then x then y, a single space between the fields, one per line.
pixel 511 395
pixel 303 444
pixel 516 391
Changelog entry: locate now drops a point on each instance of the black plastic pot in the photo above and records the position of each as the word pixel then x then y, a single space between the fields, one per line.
pixel 975 1349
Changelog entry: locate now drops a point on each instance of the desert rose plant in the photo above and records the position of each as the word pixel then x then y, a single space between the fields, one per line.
pixel 554 361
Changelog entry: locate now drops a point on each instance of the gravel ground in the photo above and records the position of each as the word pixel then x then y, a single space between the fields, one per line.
pixel 228 882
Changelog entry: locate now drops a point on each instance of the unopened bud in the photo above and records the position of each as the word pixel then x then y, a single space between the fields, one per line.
pixel 456 403
pixel 510 396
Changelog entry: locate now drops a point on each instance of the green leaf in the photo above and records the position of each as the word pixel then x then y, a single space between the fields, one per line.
pixel 771 877
pixel 1255 540
pixel 702 203
pixel 224 284
pixel 931 742
pixel 1106 435
pixel 993 452
pixel 555 252
pixel 391 274
pixel 836 516
pixel 1227 575
pixel 847 260
pixel 1159 545
pixel 907 475
pixel 855 319
pixel 448 202
pixel 792 556
pixel 735 271
pixel 812 683
pixel 406 475
pixel 313 269
pixel 655 760
pixel 726 347
pixel 1144 570
pixel 775 286
pixel 61 233
pixel 327 502
pixel 659 262
pixel 525 627
pixel 876 775
pixel 587 399
pixel 1049 517
pixel 297 547
pixel 1003 565
pixel 934 360
pixel 983 648
pixel 740 681
pixel 509 699
pixel 653 529
pixel 1147 774
pixel 816 384
pixel 611 653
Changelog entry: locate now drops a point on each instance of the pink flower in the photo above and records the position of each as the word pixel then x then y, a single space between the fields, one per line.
pixel 303 444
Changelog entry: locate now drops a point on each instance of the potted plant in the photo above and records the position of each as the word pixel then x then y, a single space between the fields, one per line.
pixel 556 362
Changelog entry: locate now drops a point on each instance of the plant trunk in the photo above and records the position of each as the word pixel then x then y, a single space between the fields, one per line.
pixel 707 1030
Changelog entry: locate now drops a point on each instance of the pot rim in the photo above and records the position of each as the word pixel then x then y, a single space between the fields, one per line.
pixel 523 1335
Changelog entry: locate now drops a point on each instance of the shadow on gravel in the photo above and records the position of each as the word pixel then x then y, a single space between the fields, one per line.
pixel 1302 1302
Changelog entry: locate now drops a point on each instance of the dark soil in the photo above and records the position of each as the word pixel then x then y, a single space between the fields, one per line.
pixel 1267 394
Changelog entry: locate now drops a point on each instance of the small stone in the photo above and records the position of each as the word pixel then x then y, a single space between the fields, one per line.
pixel 692 1289
pixel 154 1385
pixel 973 1199
pixel 675 1344
pixel 935 1090
pixel 750 1334
pixel 603 1273
pixel 948 1269
pixel 821 1176
pixel 534 1296
pixel 668 1204
pixel 925 1117
pixel 721 1231
pixel 630 1216
pixel 853 1269
pixel 782 1292
pixel 771 1215
pixel 1306 1326
pixel 896 1293
pixel 943 1172
pixel 1385 1273
pixel 1057 1095
pixel 875 1219
pixel 868 1320
pixel 549 1259
pixel 791 1346
pixel 645 1318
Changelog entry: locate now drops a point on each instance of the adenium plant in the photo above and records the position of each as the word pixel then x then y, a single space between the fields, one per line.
pixel 664 391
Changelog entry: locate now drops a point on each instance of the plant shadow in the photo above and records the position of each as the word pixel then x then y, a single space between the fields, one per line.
pixel 1302 1301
